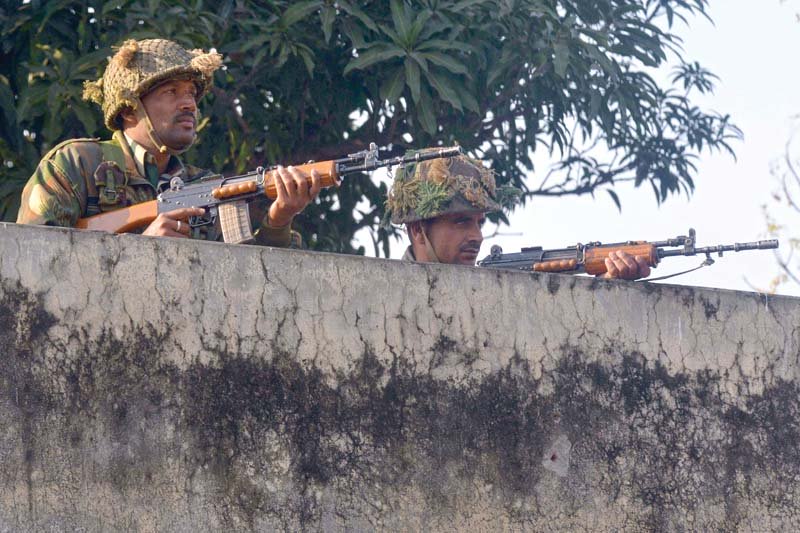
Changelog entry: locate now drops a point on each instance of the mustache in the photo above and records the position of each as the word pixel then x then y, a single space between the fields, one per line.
pixel 180 116
pixel 470 246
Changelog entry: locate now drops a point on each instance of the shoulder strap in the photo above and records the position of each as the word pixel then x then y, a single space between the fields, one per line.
pixel 118 151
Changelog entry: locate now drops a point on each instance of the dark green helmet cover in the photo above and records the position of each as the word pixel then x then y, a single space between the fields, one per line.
pixel 436 187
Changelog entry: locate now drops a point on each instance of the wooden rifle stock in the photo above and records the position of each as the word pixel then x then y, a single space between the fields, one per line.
pixel 595 258
pixel 122 220
pixel 326 169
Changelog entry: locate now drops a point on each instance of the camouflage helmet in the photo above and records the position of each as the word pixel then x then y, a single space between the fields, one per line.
pixel 436 187
pixel 138 66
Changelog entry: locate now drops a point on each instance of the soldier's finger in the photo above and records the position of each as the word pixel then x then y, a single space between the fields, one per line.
pixel 611 269
pixel 183 227
pixel 623 271
pixel 644 268
pixel 183 213
pixel 300 181
pixel 280 185
pixel 631 266
pixel 316 184
pixel 288 182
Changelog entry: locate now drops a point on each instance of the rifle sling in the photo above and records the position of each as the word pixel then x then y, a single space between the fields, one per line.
pixel 706 262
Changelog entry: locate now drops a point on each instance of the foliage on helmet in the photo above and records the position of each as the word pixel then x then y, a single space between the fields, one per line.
pixel 432 188
pixel 139 66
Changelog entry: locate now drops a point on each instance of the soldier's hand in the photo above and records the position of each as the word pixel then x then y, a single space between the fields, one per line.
pixel 295 192
pixel 622 265
pixel 173 223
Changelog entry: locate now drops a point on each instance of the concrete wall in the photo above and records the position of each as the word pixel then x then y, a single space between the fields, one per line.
pixel 158 384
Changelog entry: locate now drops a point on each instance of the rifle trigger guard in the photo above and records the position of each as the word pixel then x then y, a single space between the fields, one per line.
pixel 207 219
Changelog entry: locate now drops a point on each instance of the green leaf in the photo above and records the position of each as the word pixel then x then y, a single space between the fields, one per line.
pixel 256 41
pixel 283 56
pixel 401 20
pixel 354 33
pixel 327 16
pixel 392 87
pixel 465 94
pixel 615 198
pixel 462 6
pixel 307 57
pixel 31 102
pixel 421 61
pixel 561 59
pixel 353 10
pixel 87 118
pixel 453 65
pixel 7 101
pixel 445 90
pixel 425 114
pixel 439 44
pixel 413 78
pixel 416 29
pixel 90 61
pixel 298 11
pixel 394 36
pixel 371 57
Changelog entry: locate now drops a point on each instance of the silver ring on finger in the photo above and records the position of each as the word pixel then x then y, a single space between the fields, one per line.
pixel 178 227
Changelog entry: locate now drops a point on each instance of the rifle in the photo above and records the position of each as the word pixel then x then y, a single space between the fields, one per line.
pixel 227 199
pixel 590 258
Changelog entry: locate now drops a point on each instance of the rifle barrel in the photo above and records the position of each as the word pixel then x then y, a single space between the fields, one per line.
pixel 348 167
pixel 737 247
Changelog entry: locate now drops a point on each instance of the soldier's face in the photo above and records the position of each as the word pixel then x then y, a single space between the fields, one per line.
pixel 456 238
pixel 172 108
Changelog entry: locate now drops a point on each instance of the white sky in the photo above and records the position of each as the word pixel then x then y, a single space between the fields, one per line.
pixel 751 47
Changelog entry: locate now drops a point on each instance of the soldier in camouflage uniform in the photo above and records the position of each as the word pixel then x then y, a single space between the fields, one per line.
pixel 443 204
pixel 148 94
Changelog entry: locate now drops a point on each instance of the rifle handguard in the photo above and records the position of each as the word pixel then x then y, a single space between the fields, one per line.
pixel 562 265
pixel 234 189
pixel 327 171
pixel 595 258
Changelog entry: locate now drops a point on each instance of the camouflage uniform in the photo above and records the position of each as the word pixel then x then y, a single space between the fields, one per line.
pixel 429 189
pixel 84 177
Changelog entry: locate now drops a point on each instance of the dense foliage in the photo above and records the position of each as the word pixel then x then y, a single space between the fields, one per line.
pixel 318 79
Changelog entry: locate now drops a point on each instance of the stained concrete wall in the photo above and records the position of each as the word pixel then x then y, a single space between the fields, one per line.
pixel 159 384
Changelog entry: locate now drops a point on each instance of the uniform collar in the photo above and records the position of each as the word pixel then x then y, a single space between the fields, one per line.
pixel 144 159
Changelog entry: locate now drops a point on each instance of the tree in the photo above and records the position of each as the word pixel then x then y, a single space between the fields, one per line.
pixel 318 79
pixel 785 206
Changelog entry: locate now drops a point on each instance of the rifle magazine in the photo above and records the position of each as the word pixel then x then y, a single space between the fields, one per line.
pixel 234 219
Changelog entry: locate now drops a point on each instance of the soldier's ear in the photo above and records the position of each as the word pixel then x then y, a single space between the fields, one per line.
pixel 414 230
pixel 127 118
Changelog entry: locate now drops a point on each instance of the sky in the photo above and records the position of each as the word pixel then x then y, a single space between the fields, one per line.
pixel 751 49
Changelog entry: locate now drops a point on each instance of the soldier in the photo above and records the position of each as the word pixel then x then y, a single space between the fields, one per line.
pixel 443 203
pixel 148 94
